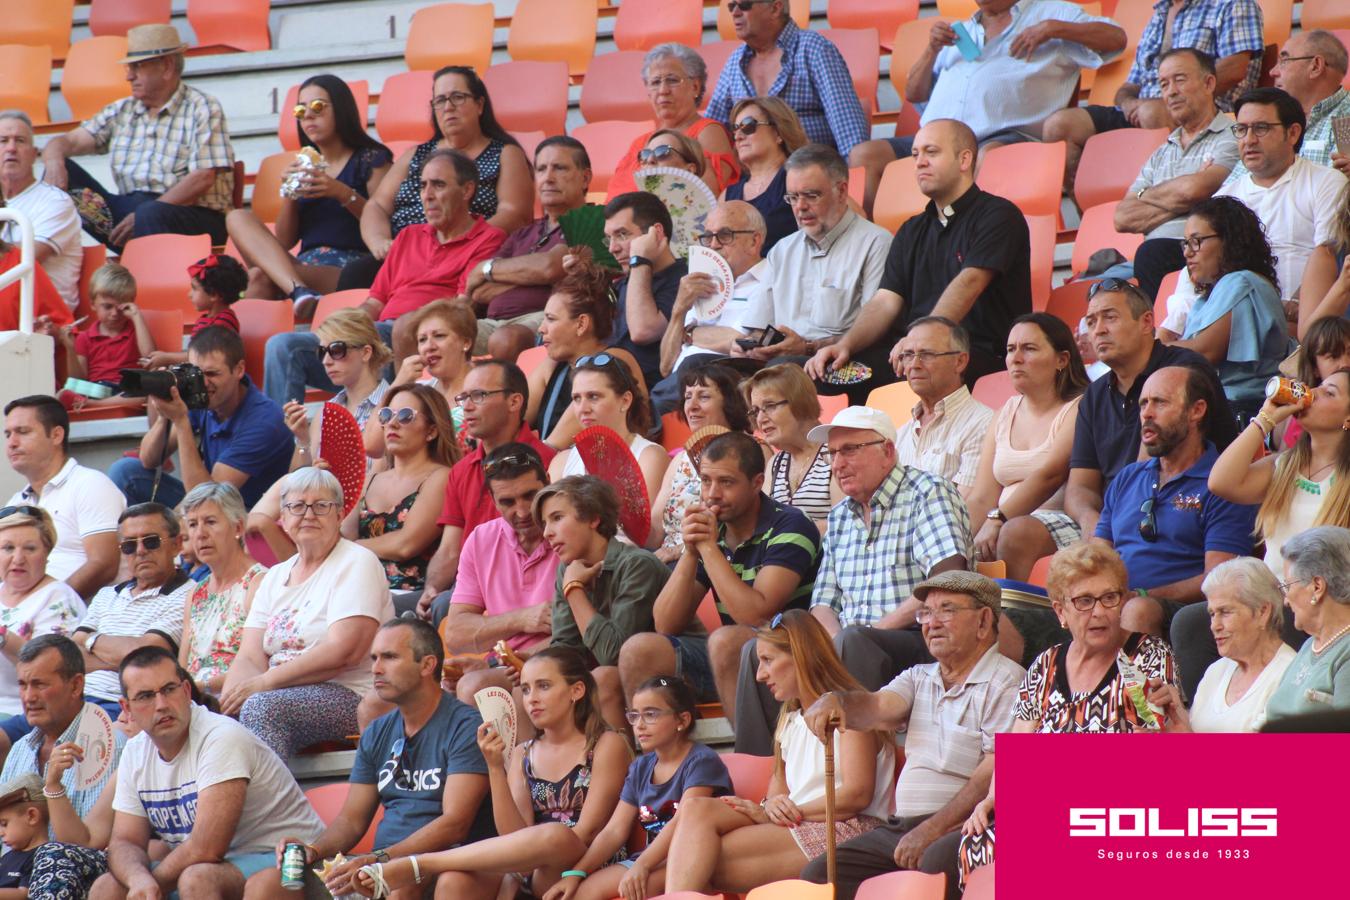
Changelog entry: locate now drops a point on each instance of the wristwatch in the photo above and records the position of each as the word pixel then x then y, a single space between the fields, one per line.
pixel 996 515
pixel 487 269
pixel 634 261
pixel 381 855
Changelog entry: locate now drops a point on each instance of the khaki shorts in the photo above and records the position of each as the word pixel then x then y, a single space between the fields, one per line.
pixel 487 326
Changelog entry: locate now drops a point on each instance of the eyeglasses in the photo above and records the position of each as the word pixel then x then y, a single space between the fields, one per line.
pixel 669 82
pixel 649 715
pixel 166 692
pixel 766 408
pixel 321 508
pixel 314 106
pixel 748 127
pixel 21 510
pixel 1109 600
pixel 1260 129
pixel 942 614
pixel 454 98
pixel 478 396
pixel 848 451
pixel 723 236
pixel 743 5
pixel 337 349
pixel 809 196
pixel 924 356
pixel 1191 246
pixel 402 416
pixel 1286 585
pixel 1148 525
pixel 151 543
pixel 512 459
pixel 1284 60
pixel 657 154
pixel 599 359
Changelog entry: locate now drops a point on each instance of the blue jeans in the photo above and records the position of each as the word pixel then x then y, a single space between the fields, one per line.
pixel 100 210
pixel 138 483
pixel 291 363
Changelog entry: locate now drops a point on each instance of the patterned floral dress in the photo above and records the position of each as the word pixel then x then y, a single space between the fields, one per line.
pixel 684 489
pixel 217 625
pixel 52 608
pixel 403 575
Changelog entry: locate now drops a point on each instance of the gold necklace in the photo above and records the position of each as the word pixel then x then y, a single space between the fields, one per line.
pixel 1331 640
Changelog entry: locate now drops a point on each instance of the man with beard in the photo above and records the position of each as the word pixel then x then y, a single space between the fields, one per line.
pixel 1159 514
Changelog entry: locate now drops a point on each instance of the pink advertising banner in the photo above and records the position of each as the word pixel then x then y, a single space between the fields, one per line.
pixel 1162 816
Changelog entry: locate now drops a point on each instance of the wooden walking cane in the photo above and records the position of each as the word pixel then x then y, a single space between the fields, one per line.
pixel 829 802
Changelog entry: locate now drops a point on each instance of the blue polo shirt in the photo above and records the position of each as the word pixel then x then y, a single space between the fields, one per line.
pixel 254 440
pixel 783 536
pixel 1190 522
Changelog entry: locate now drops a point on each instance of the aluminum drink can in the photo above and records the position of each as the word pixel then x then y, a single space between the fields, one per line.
pixel 1287 391
pixel 293 867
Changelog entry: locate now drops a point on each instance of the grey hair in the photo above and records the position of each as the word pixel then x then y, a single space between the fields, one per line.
pixel 311 479
pixel 819 155
pixel 960 338
pixel 224 495
pixel 18 114
pixel 688 58
pixel 1252 584
pixel 1322 552
pixel 179 61
pixel 1329 47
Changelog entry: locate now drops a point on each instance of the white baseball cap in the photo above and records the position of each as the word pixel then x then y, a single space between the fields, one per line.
pixel 863 417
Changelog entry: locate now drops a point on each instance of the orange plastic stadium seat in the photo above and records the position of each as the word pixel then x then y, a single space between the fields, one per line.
pixel 715 56
pixel 1110 163
pixel 980 883
pixel 159 262
pixel 267 186
pixel 750 774
pixel 93 77
pixel 1068 303
pixel 614 90
pixel 957 9
pixel 799 9
pixel 707 613
pixel 450 34
pixel 331 303
pixel 1040 571
pixel 1030 175
pixel 1166 288
pixel 992 568
pixel 114 17
pixel 327 801
pixel 1329 14
pixel 529 142
pixel 1043 232
pixel 861 49
pixel 404 113
pixel 832 405
pixel 236 24
pixel 883 15
pixel 907 44
pixel 674 431
pixel 903 886
pixel 25 79
pixel 1098 231
pixel 642 24
pixel 529 95
pixel 554 30
pixel 606 143
pixel 898 195
pixel 258 321
pixel 166 328
pixel 1277 18
pixel 792 889
pixel 289 135
pixel 993 390
pixel 895 400
pixel 530 359
pixel 39 23
pixel 91 257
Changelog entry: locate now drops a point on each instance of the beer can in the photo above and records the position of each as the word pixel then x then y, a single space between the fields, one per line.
pixel 293 867
pixel 1288 391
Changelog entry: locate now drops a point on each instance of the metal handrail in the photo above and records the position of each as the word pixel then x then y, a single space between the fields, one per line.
pixel 23 272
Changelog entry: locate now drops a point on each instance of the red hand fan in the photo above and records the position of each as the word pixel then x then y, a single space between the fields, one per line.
pixel 608 458
pixel 341 446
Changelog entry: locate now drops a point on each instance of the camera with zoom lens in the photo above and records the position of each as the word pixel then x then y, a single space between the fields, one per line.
pixel 186 377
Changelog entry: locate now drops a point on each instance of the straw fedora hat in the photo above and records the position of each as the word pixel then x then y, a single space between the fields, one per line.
pixel 151 41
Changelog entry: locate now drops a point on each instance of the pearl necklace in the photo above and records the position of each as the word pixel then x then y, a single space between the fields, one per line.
pixel 1331 640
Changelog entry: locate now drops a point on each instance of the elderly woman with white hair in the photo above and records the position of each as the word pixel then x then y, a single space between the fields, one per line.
pixel 302 665
pixel 677 80
pixel 1246 613
pixel 1317 591
pixel 215 611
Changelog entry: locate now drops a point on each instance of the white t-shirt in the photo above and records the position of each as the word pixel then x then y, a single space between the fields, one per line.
pixel 748 287
pixel 82 502
pixel 218 749
pixel 56 224
pixel 350 582
pixel 804 767
pixel 1211 712
pixel 54 607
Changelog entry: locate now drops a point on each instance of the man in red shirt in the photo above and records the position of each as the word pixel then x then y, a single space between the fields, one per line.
pixel 495 396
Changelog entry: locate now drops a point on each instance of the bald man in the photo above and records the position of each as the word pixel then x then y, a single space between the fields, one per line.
pixel 965 258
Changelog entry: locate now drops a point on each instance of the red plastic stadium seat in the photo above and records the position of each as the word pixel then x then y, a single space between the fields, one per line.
pixel 450 34
pixel 114 17
pixel 1098 231
pixel 25 79
pixel 799 9
pixel 614 90
pixel 749 774
pixel 1329 14
pixel 1043 233
pixel 1110 163
pixel 529 95
pixel 93 77
pixel 39 23
pixel 404 113
pixel 237 24
pixel 1030 175
pixel 883 15
pixel 159 262
pixel 331 303
pixel 861 49
pixel 290 136
pixel 530 359
pixel 551 30
pixel 980 883
pixel 993 390
pixel 606 143
pixel 642 24
pixel 327 801
pixel 258 321
pixel 903 886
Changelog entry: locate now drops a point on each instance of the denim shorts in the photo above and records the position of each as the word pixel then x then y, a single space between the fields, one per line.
pixel 692 664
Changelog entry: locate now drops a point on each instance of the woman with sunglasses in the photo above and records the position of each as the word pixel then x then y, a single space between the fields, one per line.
pixel 668 148
pixel 31 601
pixel 324 214
pixel 784 407
pixel 1017 503
pixel 1237 322
pixel 766 131
pixel 735 844
pixel 461 119
pixel 604 393
pixel 396 516
pixel 677 80
pixel 578 320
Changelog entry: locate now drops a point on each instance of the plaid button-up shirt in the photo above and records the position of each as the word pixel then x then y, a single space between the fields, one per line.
pixel 868 568
pixel 154 152
pixel 814 81
pixel 1217 27
pixel 23 760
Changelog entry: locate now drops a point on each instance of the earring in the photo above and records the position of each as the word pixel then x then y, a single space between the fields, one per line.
pixel 1345 426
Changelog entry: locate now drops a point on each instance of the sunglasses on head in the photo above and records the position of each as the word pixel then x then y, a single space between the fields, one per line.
pixel 314 106
pixel 150 542
pixel 1113 286
pixel 598 359
pixel 402 416
pixel 511 459
pixel 20 510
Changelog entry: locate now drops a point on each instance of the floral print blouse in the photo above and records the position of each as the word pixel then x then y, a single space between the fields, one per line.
pixel 217 625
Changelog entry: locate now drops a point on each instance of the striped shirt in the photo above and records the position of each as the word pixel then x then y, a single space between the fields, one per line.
pixel 118 610
pixel 1213 146
pixel 23 760
pixel 951 729
pixel 949 445
pixel 812 495
pixel 868 568
pixel 153 153
pixel 783 536
pixel 1218 27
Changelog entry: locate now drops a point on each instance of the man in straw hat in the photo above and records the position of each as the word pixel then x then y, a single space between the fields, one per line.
pixel 171 154
pixel 953 708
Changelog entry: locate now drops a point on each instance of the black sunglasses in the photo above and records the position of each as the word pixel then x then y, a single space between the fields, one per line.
pixel 21 510
pixel 1148 525
pixel 511 459
pixel 150 542
pixel 337 349
pixel 657 154
pixel 748 127
pixel 1115 285
pixel 743 5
